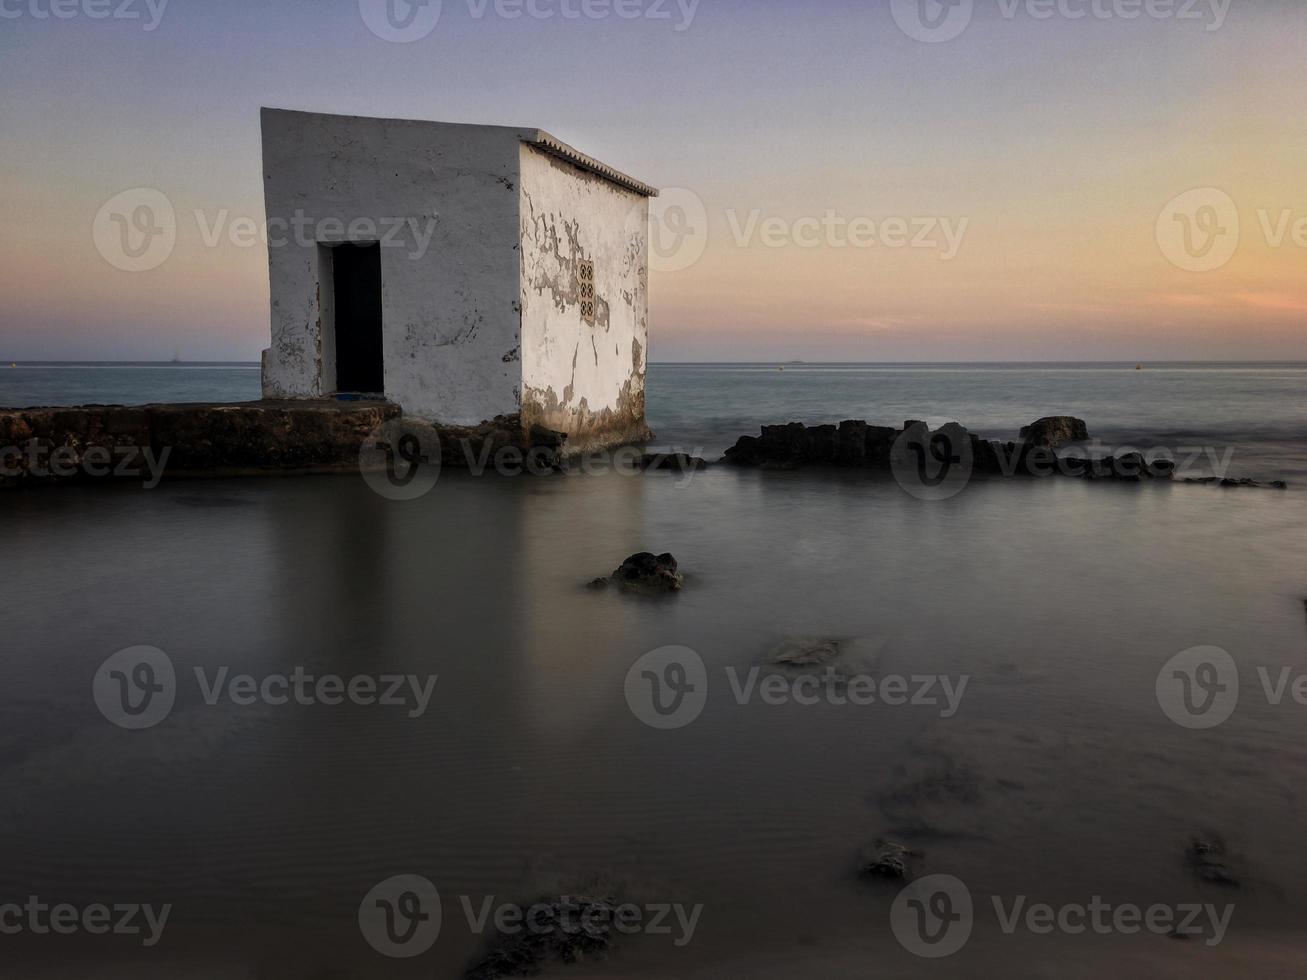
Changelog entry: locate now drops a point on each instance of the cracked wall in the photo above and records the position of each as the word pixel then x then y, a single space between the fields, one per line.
pixel 585 379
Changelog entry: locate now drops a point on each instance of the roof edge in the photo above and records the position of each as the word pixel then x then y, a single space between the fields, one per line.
pixel 552 145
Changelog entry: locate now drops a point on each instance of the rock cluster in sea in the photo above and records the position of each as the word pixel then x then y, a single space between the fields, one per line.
pixel 857 444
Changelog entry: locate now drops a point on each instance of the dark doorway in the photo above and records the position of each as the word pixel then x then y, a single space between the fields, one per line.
pixel 356 274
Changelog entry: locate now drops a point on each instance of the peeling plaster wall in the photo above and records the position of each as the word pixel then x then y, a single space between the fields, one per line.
pixel 451 320
pixel 582 379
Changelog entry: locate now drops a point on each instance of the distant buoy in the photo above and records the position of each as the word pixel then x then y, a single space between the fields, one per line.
pixel 13 364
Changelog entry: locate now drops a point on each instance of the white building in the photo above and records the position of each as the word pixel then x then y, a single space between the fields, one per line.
pixel 466 273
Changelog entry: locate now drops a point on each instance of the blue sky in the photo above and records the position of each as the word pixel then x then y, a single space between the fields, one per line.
pixel 1051 143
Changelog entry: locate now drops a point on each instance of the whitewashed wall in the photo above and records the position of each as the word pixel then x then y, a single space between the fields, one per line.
pixel 577 378
pixel 451 318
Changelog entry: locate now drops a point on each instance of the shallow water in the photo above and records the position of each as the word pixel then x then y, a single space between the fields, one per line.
pixel 1059 778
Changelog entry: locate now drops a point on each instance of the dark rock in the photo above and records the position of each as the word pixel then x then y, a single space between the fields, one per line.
pixel 880 443
pixel 563 929
pixel 1279 485
pixel 822 444
pixel 541 438
pixel 598 585
pixel 888 860
pixel 806 652
pixel 1130 468
pixel 1055 431
pixel 851 444
pixel 649 573
pixel 747 451
pixel 1208 858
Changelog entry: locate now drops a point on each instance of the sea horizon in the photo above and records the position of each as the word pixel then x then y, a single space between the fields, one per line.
pixel 1154 364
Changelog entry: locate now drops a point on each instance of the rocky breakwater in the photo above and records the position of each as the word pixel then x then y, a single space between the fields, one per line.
pixel 918 453
pixel 41 446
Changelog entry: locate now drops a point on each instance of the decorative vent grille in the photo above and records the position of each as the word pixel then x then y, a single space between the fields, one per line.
pixel 586 274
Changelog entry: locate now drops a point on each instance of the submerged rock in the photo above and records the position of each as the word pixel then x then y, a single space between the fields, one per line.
pixel 1208 858
pixel 1055 431
pixel 887 859
pixel 563 929
pixel 649 573
pixel 806 652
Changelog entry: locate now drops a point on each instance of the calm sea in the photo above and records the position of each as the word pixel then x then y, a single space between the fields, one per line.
pixel 1059 779
pixel 1254 412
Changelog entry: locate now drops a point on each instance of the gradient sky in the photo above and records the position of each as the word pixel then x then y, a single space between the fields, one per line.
pixel 1058 140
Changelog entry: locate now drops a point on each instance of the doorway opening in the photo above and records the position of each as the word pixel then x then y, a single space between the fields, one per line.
pixel 356 295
